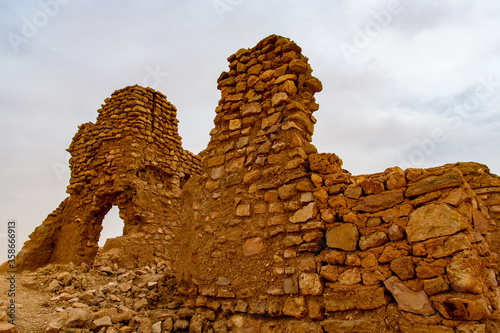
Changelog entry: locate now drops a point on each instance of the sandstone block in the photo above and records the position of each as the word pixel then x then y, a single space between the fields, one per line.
pixel 470 328
pixel 456 196
pixel 287 191
pixel 325 163
pixel 426 270
pixel 390 253
pixel 334 257
pixel 310 284
pixel 344 237
pixel 434 220
pixel 271 120
pixel 350 277
pixel 377 202
pixel 304 120
pixel 305 214
pixel 306 197
pixel 442 246
pixel 236 165
pixel 321 195
pixel 295 307
pixel 327 215
pixel 395 233
pixel 314 85
pixel 435 286
pixel 284 78
pixel 243 210
pixel 252 176
pixel 290 286
pixel 253 246
pixel 373 240
pixel 396 180
pixel 279 99
pixel 77 317
pixel 369 261
pixel 316 310
pixel 461 306
pixel 292 240
pixel 407 299
pixel 352 259
pixel 216 160
pixel 217 173
pixel 330 272
pixel 403 267
pixel 297 66
pixel 337 202
pixel 353 192
pixel 372 187
pixel 277 220
pixel 480 222
pixel 54 326
pixel 102 322
pixel 464 271
pixel 433 183
pixel 250 108
pixel 372 277
pixel 366 298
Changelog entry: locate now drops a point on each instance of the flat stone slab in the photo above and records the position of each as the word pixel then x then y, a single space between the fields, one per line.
pixel 434 220
pixel 377 202
pixel 361 299
pixel 433 183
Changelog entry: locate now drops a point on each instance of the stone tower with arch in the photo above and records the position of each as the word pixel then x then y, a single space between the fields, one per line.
pixel 132 157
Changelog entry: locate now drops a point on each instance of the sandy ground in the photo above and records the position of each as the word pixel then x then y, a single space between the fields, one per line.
pixel 33 308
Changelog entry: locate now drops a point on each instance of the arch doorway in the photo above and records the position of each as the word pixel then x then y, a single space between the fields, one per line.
pixel 112 226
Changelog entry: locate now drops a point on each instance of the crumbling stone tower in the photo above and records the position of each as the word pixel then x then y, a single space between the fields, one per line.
pixel 132 158
pixel 255 174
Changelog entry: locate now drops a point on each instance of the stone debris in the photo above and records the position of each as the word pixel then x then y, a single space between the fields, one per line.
pixel 260 232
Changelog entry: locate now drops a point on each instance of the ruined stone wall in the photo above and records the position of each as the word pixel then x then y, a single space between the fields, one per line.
pixel 263 229
pixel 274 228
pixel 132 158
pixel 253 169
pixel 487 188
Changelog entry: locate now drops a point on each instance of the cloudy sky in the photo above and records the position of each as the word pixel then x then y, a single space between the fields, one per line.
pixel 407 83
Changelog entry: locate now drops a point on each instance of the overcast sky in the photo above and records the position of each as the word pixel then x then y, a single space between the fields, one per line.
pixel 405 83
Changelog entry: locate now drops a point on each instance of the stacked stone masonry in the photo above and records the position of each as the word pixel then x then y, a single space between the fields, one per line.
pixel 261 226
pixel 132 157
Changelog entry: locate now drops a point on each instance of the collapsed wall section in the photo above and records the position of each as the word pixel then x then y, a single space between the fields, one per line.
pixel 131 157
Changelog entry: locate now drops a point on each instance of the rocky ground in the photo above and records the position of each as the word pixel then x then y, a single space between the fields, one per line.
pixel 68 298
pixel 60 298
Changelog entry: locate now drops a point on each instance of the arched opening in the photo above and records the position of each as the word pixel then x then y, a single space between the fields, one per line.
pixel 112 226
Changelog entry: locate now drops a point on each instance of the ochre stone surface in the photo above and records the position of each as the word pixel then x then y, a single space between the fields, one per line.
pixel 132 157
pixel 261 222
